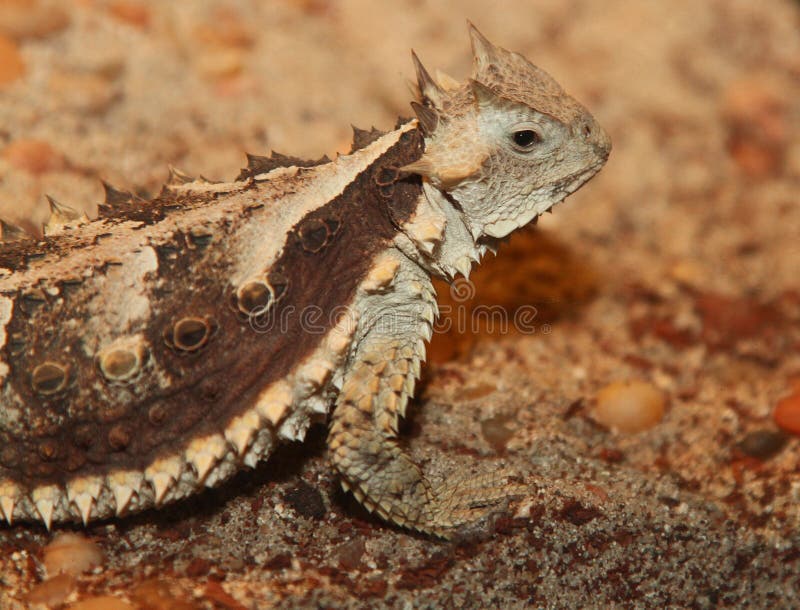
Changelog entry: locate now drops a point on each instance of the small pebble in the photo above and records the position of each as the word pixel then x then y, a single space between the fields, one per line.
pixel 71 554
pixel 103 602
pixel 497 432
pixel 629 406
pixel 688 273
pixel 306 500
pixel 476 392
pixel 787 413
pixel 156 595
pixel 762 444
pixel 351 554
pixel 53 591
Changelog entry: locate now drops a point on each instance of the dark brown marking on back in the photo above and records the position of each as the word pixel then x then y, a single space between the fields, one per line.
pixel 94 426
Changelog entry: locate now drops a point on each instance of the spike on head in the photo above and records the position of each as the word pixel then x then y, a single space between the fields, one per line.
pixel 447 82
pixel 431 92
pixel 483 51
pixel 428 118
pixel 483 95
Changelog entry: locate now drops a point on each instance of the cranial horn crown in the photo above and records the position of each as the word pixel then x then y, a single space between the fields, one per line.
pixel 429 88
pixel 427 116
pixel 483 51
pixel 483 94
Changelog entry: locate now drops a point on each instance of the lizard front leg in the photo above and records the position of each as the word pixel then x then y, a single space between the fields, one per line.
pixel 394 321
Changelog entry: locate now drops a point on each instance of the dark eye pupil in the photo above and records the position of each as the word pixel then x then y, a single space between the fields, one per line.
pixel 525 138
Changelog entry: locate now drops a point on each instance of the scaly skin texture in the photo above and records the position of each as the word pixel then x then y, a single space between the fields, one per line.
pixel 167 344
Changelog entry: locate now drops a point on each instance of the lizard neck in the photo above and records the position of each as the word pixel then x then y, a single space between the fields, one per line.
pixel 438 236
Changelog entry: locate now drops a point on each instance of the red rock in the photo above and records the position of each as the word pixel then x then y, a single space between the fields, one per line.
pixel 34 156
pixel 787 413
pixel 728 319
pixel 613 456
pixel 11 65
pixel 132 13
pixel 755 111
pixel 597 491
pixel 156 594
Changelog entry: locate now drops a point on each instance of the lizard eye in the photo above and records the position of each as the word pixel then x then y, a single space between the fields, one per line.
pixel 525 139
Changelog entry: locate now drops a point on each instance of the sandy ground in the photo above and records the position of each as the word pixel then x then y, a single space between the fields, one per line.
pixel 679 267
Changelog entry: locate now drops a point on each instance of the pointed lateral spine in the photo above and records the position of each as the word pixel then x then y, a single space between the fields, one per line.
pixel 363 138
pixel 9 496
pixel 10 232
pixel 205 453
pixel 62 213
pixel 273 403
pixel 163 475
pixel 60 216
pixel 83 493
pixel 260 448
pixel 241 430
pixel 257 165
pixel 45 499
pixel 177 177
pixel 115 196
pixel 124 485
pixel 115 200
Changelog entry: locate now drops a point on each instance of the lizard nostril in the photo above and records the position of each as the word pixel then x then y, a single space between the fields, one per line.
pixel 587 130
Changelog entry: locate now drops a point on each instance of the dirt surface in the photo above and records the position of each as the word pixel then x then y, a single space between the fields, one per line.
pixel 678 267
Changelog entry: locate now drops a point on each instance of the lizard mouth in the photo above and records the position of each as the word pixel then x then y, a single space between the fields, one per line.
pixel 566 186
pixel 572 182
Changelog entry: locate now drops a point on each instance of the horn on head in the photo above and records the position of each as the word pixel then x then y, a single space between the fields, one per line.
pixel 483 51
pixel 429 88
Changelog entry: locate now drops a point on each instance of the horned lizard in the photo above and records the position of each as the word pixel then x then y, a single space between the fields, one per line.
pixel 163 346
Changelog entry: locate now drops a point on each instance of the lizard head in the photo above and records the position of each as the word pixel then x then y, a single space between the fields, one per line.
pixel 508 144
